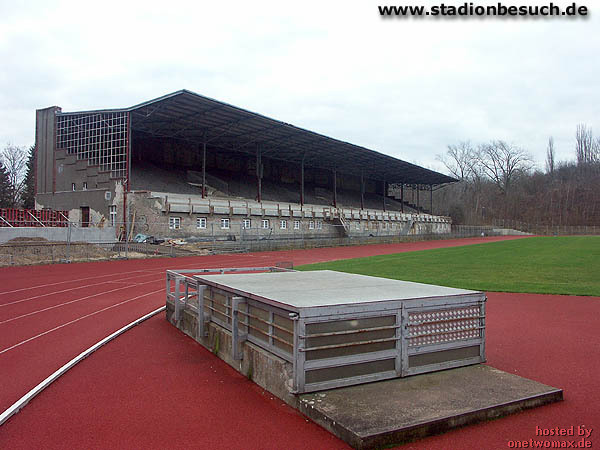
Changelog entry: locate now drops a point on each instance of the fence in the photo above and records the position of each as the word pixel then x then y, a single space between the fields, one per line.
pixel 549 230
pixel 303 240
pixel 213 240
pixel 35 252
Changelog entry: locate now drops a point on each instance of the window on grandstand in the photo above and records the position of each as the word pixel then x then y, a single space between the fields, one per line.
pixel 265 224
pixel 319 225
pixel 358 225
pixel 296 224
pixel 225 224
pixel 311 224
pixel 112 210
pixel 174 223
pixel 201 222
pixel 283 224
pixel 246 224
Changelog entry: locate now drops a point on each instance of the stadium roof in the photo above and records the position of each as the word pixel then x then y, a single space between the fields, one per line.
pixel 192 117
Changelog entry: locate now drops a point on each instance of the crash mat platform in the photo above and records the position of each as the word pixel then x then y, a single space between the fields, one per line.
pixel 400 410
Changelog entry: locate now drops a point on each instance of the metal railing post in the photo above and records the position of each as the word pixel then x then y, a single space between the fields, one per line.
pixel 68 255
pixel 201 333
pixel 126 239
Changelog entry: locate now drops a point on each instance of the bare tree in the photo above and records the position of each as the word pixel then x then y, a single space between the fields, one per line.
pixel 459 160
pixel 584 144
pixel 596 150
pixel 502 162
pixel 14 160
pixel 550 157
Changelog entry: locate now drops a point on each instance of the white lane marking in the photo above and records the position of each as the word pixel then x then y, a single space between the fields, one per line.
pixel 76 320
pixel 160 269
pixel 74 288
pixel 19 404
pixel 67 281
pixel 228 259
pixel 73 301
pixel 151 272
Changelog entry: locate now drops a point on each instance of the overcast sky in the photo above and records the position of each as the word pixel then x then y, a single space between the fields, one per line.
pixel 404 87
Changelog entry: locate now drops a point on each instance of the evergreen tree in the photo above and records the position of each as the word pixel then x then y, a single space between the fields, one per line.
pixel 28 195
pixel 5 188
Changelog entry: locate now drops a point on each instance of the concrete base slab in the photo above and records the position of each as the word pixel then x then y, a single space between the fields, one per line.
pixel 403 409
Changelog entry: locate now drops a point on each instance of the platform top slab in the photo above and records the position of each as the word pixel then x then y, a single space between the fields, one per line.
pixel 325 288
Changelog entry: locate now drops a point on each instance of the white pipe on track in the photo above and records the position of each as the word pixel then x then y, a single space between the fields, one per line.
pixel 20 404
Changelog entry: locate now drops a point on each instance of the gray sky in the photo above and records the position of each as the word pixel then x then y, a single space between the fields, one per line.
pixel 404 87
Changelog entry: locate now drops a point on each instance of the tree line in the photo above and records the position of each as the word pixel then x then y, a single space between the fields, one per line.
pixel 498 182
pixel 17 177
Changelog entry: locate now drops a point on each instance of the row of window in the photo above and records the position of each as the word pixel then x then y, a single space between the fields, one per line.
pixel 201 223
pixel 175 224
pixel 84 186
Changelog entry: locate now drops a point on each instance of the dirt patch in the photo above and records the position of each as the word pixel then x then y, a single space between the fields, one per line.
pixel 29 251
pixel 19 240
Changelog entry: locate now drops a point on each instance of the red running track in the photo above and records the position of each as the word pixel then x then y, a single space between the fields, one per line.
pixel 154 387
pixel 49 314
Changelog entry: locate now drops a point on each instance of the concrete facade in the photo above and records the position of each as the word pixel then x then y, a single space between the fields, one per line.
pixel 192 216
pixel 59 234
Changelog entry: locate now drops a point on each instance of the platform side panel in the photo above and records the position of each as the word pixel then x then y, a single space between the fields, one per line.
pixel 444 336
pixel 266 326
pixel 342 350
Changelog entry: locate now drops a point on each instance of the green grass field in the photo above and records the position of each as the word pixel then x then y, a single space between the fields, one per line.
pixel 545 265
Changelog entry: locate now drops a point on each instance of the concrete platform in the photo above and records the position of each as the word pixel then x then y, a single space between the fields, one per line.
pixel 404 409
pixel 296 291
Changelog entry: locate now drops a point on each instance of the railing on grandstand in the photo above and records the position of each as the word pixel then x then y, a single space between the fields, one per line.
pixel 14 217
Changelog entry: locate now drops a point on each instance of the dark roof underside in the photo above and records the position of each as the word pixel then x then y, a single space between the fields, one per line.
pixel 193 118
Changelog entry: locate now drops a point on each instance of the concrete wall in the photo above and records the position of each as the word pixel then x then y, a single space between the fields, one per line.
pixel 72 201
pixel 70 170
pixel 264 368
pixel 106 234
pixel 45 136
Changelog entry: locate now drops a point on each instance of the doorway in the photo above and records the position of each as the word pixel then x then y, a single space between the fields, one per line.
pixel 85 216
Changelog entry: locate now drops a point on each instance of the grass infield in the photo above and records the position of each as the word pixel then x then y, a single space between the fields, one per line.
pixel 544 265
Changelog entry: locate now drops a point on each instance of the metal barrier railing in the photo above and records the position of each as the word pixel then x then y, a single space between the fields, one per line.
pixel 337 347
pixel 182 288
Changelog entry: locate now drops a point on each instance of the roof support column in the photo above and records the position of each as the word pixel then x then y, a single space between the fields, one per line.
pixel 204 166
pixel 384 193
pixel 418 203
pixel 302 180
pixel 402 197
pixel 431 199
pixel 334 187
pixel 259 174
pixel 362 190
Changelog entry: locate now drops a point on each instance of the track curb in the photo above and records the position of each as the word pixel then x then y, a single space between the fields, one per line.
pixel 20 404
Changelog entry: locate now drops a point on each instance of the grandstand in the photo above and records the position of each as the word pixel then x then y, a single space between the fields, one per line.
pixel 186 165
